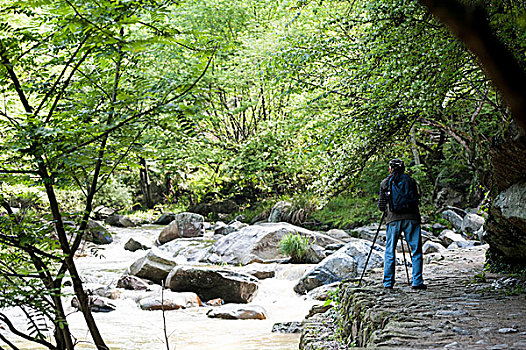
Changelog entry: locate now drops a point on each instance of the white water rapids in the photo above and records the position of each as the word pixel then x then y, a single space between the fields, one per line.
pixel 129 327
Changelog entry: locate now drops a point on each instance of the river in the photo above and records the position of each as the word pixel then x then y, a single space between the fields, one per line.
pixel 129 327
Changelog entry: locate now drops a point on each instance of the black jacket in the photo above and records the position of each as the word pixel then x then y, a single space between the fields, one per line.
pixel 383 205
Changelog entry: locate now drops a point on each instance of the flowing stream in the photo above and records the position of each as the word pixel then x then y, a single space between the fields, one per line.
pixel 129 327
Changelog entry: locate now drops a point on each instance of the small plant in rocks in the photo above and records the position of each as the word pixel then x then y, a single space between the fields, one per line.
pixel 295 246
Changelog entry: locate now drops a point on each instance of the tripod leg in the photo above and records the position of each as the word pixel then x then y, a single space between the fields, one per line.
pixel 405 262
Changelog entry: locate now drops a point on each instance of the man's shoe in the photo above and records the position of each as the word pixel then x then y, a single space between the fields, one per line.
pixel 388 287
pixel 420 287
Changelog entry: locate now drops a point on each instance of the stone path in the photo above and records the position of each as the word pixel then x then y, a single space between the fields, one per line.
pixel 458 311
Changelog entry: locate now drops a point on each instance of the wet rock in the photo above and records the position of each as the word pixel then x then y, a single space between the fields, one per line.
pixel 453 218
pixel 132 283
pixel 215 302
pixel 96 304
pixel 472 223
pixel 332 248
pixel 208 283
pixel 369 232
pixel 154 266
pixel 339 235
pixel 324 292
pixel 287 327
pixel 238 312
pixel 165 219
pixel 437 227
pixel 224 229
pixel 314 254
pixel 334 268
pixel 462 244
pixel 448 237
pixel 119 221
pixel 97 233
pixel 258 243
pixel 185 250
pixel 106 292
pixel 432 247
pixel 344 264
pixel 260 271
pixel 137 243
pixel 507 330
pixel 101 212
pixel 183 225
pixel 169 300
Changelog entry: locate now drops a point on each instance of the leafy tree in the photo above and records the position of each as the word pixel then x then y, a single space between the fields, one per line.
pixel 77 94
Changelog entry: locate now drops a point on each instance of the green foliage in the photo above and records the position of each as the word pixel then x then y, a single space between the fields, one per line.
pixel 347 211
pixel 114 194
pixel 295 246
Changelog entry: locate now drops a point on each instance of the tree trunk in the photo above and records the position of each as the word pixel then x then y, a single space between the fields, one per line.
pixel 146 187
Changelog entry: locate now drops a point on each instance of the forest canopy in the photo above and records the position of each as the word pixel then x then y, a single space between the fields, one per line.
pixel 147 106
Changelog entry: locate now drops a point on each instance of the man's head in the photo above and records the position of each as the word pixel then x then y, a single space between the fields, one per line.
pixel 396 166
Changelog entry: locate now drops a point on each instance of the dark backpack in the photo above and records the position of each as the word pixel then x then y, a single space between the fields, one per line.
pixel 403 194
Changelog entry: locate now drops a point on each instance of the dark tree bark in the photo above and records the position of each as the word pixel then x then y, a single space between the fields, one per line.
pixel 471 26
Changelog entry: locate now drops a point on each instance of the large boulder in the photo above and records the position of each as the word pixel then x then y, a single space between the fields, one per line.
pixel 335 267
pixel 339 235
pixel 97 233
pixel 346 263
pixel 165 219
pixel 183 225
pixel 260 271
pixel 154 266
pixel 453 217
pixel 119 221
pixel 448 237
pixel 369 232
pixel 208 283
pixel 506 227
pixel 238 312
pixel 168 300
pixel 185 250
pixel 472 223
pixel 259 243
pixel 101 212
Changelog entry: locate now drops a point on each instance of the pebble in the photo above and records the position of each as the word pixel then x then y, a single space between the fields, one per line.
pixel 451 313
pixel 507 330
pixel 498 347
pixel 461 331
pixel 451 345
pixel 519 345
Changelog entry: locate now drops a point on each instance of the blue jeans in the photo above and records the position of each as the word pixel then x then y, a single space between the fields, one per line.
pixel 411 228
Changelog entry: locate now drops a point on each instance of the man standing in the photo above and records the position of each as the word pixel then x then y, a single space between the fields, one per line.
pixel 399 199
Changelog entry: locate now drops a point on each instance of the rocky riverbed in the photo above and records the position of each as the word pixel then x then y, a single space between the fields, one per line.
pixel 463 308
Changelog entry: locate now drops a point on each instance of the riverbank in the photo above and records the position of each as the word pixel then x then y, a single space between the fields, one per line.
pixel 463 308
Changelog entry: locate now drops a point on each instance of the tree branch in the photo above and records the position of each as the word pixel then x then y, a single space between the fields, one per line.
pixel 15 331
pixel 141 114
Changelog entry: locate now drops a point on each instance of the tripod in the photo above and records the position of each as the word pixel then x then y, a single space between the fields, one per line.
pixel 371 251
pixel 403 254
